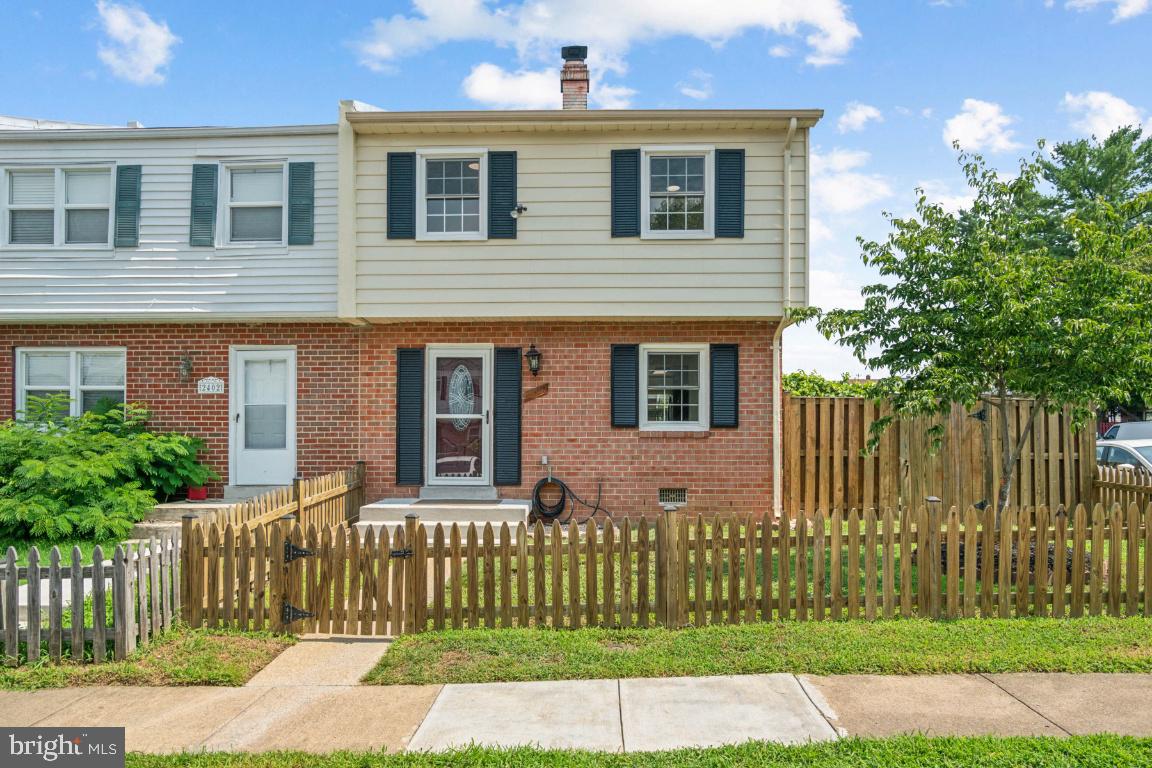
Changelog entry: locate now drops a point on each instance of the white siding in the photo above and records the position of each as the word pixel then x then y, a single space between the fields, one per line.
pixel 564 262
pixel 165 278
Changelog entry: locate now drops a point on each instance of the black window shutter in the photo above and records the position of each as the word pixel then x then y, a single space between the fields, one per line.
pixel 506 417
pixel 409 416
pixel 625 385
pixel 301 202
pixel 625 193
pixel 729 193
pixel 127 206
pixel 204 184
pixel 401 195
pixel 724 374
pixel 501 195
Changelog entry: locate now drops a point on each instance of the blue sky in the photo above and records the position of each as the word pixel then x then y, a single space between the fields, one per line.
pixel 897 79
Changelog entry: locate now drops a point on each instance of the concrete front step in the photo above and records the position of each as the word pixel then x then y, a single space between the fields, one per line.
pixel 373 529
pixel 234 493
pixel 174 511
pixel 155 529
pixel 511 511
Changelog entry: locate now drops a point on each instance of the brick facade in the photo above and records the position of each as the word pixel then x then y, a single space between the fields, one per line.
pixel 346 400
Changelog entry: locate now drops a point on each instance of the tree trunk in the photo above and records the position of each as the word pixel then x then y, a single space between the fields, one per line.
pixel 1010 452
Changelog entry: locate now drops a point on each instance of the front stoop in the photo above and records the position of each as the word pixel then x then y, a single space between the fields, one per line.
pixel 391 514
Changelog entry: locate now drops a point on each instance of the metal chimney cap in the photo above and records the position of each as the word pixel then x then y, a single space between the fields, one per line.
pixel 574 52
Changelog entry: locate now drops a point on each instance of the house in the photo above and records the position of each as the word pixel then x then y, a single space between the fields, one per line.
pixel 591 296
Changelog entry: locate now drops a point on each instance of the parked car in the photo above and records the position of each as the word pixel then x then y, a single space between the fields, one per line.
pixel 1129 430
pixel 1125 453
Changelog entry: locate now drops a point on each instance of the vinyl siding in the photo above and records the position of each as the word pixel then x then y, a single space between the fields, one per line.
pixel 164 277
pixel 564 262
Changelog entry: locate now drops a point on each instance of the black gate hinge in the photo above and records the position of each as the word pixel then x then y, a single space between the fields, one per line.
pixel 400 553
pixel 290 613
pixel 293 552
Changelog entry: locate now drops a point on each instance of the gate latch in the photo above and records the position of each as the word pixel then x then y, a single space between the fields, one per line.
pixel 290 613
pixel 293 552
pixel 400 553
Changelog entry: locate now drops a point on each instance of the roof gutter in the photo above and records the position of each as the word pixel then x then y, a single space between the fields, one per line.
pixel 86 134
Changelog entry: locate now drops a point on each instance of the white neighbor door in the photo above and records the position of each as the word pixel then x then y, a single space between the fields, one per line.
pixel 458 429
pixel 263 416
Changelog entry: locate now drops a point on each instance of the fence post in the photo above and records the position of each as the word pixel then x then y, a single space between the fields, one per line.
pixel 185 568
pixel 357 498
pixel 411 522
pixel 670 588
pixel 297 493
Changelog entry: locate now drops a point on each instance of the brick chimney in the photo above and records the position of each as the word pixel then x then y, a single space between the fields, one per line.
pixel 574 77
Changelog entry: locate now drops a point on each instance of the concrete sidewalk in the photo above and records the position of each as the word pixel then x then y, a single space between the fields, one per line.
pixel 308 699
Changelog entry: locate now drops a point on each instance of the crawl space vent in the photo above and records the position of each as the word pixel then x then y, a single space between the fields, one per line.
pixel 673 495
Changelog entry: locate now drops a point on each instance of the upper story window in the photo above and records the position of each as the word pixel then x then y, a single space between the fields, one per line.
pixel 678 184
pixel 53 207
pixel 451 204
pixel 92 378
pixel 674 386
pixel 254 209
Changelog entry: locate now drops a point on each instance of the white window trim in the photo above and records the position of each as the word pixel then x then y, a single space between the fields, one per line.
pixel 422 155
pixel 74 388
pixel 701 424
pixel 224 204
pixel 59 206
pixel 708 152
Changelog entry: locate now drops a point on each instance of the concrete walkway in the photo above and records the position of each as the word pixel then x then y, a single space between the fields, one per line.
pixel 308 700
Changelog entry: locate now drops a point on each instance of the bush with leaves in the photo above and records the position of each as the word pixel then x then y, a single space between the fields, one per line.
pixel 63 477
pixel 803 384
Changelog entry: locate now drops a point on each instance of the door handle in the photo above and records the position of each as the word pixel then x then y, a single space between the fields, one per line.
pixel 237 417
pixel 486 417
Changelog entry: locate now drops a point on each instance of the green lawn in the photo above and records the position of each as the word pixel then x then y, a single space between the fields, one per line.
pixel 902 646
pixel 910 751
pixel 45 548
pixel 182 657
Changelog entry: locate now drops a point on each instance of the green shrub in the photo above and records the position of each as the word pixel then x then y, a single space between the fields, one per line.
pixel 801 384
pixel 91 475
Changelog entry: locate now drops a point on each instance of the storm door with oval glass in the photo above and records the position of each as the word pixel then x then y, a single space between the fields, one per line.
pixel 458 439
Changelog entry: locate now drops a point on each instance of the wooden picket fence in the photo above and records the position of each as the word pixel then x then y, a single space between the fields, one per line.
pixel 1123 486
pixel 129 600
pixel 677 572
pixel 325 500
pixel 824 468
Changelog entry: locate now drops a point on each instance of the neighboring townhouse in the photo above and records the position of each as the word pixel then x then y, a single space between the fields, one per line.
pixel 193 269
pixel 470 302
pixel 643 260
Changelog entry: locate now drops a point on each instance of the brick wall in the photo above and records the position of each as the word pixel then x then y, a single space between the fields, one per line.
pixel 326 370
pixel 346 401
pixel 724 470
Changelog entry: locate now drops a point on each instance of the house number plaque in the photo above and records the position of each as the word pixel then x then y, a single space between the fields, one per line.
pixel 210 386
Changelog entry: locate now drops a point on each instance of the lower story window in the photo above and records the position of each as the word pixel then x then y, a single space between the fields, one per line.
pixel 674 386
pixel 89 379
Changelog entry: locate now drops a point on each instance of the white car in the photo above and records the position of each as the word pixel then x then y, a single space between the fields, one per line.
pixel 1129 430
pixel 1125 453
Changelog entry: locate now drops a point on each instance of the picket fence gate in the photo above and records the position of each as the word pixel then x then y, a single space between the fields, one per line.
pixel 676 572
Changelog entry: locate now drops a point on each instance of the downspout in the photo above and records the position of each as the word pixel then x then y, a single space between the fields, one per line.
pixel 786 302
pixel 346 308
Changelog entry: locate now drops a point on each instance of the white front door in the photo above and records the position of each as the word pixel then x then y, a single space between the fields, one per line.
pixel 458 429
pixel 263 416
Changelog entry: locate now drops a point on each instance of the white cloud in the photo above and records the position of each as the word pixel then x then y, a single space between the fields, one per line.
pixel 494 87
pixel 1098 113
pixel 698 85
pixel 941 193
pixel 1122 9
pixel 981 125
pixel 805 348
pixel 139 48
pixel 780 51
pixel 857 116
pixel 610 27
pixel 610 96
pixel 840 185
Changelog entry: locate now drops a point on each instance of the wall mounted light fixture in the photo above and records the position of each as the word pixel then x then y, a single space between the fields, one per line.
pixel 518 211
pixel 185 367
pixel 533 357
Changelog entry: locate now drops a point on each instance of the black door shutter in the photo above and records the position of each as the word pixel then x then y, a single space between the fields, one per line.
pixel 127 225
pixel 409 416
pixel 501 195
pixel 301 202
pixel 729 193
pixel 724 373
pixel 625 385
pixel 401 183
pixel 506 417
pixel 625 193
pixel 202 231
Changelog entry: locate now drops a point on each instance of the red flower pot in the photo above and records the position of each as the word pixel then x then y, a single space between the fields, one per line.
pixel 197 493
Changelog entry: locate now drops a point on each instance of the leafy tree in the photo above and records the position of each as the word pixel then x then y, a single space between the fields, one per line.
pixel 92 475
pixel 802 384
pixel 974 308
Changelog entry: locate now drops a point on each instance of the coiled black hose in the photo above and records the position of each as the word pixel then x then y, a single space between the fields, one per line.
pixel 555 510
